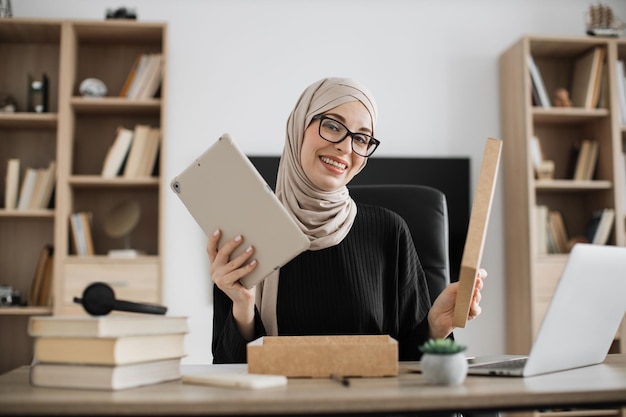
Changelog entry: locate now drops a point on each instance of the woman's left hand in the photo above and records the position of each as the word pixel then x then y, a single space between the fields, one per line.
pixel 441 315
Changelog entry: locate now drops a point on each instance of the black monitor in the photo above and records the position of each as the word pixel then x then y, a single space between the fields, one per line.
pixel 449 175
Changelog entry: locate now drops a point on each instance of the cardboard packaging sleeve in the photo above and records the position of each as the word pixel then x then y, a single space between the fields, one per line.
pixel 323 356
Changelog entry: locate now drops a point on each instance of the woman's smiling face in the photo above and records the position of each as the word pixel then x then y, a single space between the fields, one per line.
pixel 330 166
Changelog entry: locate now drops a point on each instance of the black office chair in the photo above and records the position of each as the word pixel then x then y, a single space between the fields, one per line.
pixel 426 213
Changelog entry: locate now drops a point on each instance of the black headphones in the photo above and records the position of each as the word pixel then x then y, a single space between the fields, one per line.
pixel 99 300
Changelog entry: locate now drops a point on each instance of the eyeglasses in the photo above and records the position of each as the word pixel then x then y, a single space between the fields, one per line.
pixel 334 131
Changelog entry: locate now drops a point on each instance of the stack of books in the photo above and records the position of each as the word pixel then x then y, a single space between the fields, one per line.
pixel 107 353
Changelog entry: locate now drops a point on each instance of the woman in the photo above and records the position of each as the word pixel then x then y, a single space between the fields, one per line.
pixel 361 274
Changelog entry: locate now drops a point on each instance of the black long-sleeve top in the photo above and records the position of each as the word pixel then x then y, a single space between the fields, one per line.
pixel 370 283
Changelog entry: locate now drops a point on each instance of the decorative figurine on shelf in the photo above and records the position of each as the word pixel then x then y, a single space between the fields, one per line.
pixel 121 13
pixel 8 104
pixel 37 94
pixel 602 22
pixel 92 87
pixel 119 223
pixel 561 98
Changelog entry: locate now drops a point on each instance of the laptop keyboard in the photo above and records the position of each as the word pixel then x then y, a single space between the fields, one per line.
pixel 512 364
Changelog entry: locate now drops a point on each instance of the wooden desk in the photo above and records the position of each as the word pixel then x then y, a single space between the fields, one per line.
pixel 600 385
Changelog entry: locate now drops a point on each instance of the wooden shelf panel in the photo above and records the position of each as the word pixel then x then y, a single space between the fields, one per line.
pixel 571 185
pixel 119 32
pixel 91 181
pixel 115 105
pixel 15 214
pixel 29 120
pixel 567 115
pixel 30 30
pixel 25 311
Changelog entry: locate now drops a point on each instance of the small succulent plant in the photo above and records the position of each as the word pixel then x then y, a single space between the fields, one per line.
pixel 441 346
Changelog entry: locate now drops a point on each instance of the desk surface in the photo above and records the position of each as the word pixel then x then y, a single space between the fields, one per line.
pixel 598 385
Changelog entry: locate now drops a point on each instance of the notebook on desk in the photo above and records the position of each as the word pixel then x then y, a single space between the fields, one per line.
pixel 581 321
pixel 223 190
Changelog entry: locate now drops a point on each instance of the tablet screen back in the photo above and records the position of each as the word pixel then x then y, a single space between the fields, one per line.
pixel 223 190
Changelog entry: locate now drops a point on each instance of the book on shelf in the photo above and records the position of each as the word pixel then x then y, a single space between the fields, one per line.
pixel 600 79
pixel 536 152
pixel 537 81
pixel 144 78
pixel 621 88
pixel 119 350
pixel 82 239
pixel 137 151
pixel 131 75
pixel 27 188
pixel 12 184
pixel 118 152
pixel 599 228
pixel 152 79
pixel 106 326
pixel 586 78
pixel 42 192
pixel 624 178
pixel 558 232
pixel 136 71
pixel 541 224
pixel 150 153
pixel 40 293
pixel 37 188
pixel 54 375
pixel 592 160
pixel 586 160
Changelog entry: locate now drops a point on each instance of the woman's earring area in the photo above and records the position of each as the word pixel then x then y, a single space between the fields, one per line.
pixel 99 300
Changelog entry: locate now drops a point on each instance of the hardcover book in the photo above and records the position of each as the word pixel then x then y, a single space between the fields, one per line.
pixel 106 326
pixel 56 375
pixel 109 350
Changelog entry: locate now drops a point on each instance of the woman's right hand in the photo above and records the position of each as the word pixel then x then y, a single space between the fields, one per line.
pixel 226 272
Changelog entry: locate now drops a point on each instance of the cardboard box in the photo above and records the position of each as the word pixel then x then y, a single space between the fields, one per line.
pixel 322 356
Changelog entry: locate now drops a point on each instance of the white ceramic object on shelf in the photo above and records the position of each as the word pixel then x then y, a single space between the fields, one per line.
pixel 92 87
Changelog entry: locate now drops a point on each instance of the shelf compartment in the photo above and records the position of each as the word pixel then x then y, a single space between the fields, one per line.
pixel 108 51
pixel 100 201
pixel 94 134
pixel 23 239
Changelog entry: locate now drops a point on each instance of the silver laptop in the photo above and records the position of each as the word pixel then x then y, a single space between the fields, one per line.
pixel 222 189
pixel 581 321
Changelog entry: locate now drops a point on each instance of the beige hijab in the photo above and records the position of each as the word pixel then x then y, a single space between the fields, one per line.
pixel 326 217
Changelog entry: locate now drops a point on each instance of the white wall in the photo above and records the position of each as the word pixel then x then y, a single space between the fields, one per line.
pixel 238 66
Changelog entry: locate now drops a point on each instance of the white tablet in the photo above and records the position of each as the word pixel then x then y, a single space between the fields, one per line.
pixel 223 190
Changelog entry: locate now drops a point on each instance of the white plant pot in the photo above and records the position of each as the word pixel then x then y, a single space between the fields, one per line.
pixel 444 369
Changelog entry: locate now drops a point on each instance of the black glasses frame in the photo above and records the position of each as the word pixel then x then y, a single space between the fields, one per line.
pixel 373 141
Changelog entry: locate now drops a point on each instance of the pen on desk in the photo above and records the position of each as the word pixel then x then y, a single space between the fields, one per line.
pixel 342 380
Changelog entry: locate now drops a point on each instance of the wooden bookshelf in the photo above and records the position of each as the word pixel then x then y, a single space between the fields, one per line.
pixel 531 273
pixel 76 132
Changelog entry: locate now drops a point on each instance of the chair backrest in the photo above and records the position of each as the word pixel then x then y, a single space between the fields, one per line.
pixel 426 213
